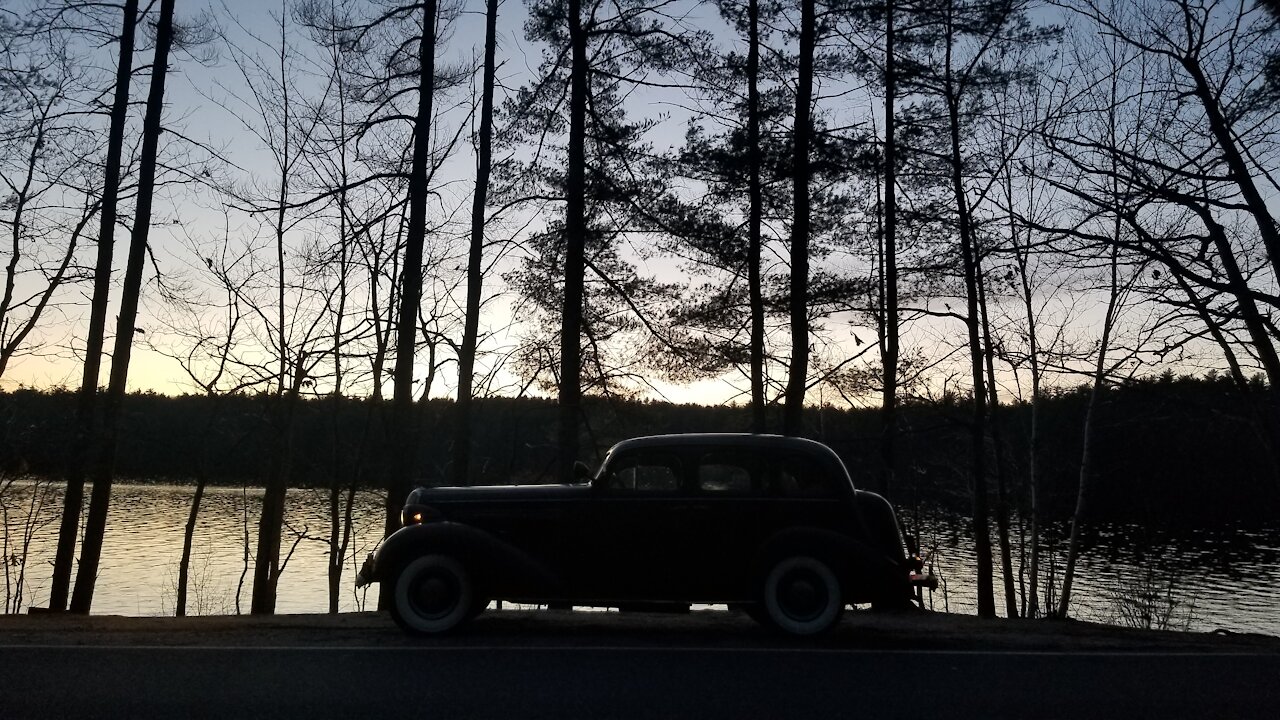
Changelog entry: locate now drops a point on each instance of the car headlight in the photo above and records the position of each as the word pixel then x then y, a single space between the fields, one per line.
pixel 415 515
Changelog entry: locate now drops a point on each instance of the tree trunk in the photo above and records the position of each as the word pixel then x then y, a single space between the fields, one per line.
pixel 1002 502
pixel 1086 450
pixel 575 249
pixel 189 531
pixel 475 258
pixel 889 354
pixel 96 525
pixel 87 442
pixel 977 429
pixel 1033 443
pixel 266 564
pixel 793 413
pixel 267 557
pixel 755 220
pixel 404 426
pixel 188 534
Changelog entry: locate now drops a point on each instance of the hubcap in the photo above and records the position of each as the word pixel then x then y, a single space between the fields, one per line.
pixel 434 594
pixel 802 595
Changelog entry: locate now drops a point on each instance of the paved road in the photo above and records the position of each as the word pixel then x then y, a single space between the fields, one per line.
pixel 593 681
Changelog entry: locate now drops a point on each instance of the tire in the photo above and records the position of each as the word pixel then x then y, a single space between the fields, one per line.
pixel 433 595
pixel 802 596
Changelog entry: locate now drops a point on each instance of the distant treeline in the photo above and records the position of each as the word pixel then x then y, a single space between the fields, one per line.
pixel 1170 450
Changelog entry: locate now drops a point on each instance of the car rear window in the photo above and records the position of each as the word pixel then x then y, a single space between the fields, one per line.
pixel 727 473
pixel 803 476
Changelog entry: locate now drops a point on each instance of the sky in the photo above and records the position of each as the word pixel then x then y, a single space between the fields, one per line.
pixel 201 104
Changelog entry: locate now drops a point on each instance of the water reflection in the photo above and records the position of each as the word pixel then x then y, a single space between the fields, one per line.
pixel 1213 579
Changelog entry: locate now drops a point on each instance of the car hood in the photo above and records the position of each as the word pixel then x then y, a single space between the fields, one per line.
pixel 481 493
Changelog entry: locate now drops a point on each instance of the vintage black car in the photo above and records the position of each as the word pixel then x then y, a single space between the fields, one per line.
pixel 770 524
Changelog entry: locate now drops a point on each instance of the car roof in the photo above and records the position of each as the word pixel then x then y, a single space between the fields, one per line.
pixel 775 442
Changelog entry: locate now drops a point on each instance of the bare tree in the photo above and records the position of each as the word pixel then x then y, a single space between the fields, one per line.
pixel 46 206
pixel 202 335
pixel 1212 65
pixel 87 440
pixel 475 257
pixel 95 527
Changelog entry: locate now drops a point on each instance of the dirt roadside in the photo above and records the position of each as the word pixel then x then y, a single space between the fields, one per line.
pixel 859 630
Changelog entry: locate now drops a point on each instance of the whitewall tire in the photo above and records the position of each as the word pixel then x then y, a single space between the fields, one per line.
pixel 433 594
pixel 802 596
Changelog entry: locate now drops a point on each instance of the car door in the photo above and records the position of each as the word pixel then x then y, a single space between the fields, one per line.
pixel 724 520
pixel 634 553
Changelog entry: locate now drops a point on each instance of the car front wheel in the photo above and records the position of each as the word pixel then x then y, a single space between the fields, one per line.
pixel 433 595
pixel 802 596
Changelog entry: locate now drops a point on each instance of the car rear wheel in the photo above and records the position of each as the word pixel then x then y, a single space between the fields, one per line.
pixel 433 595
pixel 802 596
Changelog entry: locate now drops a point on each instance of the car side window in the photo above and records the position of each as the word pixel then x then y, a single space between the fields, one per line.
pixel 802 476
pixel 726 473
pixel 644 473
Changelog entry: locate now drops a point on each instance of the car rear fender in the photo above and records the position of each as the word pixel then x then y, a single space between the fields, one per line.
pixel 491 560
pixel 865 573
pixel 880 525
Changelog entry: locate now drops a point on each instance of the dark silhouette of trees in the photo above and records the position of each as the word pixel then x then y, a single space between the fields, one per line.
pixel 1159 157
pixel 293 336
pixel 1217 85
pixel 396 82
pixel 597 55
pixel 735 155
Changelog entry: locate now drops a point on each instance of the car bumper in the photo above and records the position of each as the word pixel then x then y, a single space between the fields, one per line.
pixel 368 570
pixel 928 581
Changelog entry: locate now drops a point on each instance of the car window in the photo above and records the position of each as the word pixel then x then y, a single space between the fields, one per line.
pixel 803 476
pixel 725 473
pixel 644 472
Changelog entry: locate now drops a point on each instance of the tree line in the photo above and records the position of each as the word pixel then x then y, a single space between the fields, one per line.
pixel 1145 478
pixel 892 203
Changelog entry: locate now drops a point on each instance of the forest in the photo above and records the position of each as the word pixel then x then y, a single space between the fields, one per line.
pixel 1146 475
pixel 1019 254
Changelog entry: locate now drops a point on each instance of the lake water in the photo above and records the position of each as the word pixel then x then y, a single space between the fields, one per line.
pixel 1205 580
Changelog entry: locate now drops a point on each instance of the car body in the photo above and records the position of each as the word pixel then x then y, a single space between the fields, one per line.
pixel 767 523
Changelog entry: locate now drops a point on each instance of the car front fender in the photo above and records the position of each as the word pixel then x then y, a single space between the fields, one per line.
pixel 496 564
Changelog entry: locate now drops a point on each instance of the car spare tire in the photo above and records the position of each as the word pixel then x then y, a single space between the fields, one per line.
pixel 802 596
pixel 433 594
